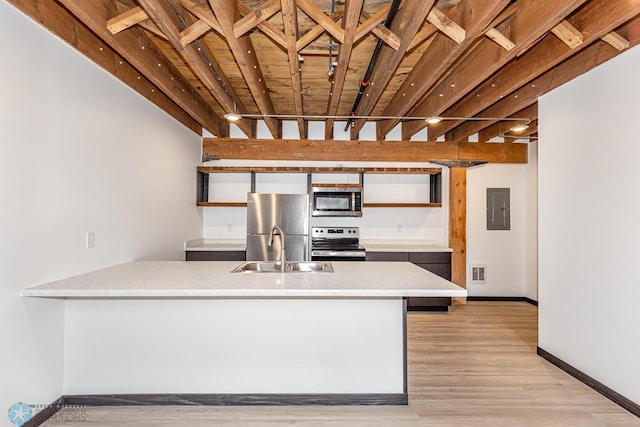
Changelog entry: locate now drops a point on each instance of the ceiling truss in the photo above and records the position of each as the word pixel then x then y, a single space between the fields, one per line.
pixel 273 58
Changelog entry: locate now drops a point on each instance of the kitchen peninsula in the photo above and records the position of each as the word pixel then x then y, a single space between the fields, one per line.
pixel 166 331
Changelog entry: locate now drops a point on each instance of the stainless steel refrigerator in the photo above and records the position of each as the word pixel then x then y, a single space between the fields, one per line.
pixel 291 213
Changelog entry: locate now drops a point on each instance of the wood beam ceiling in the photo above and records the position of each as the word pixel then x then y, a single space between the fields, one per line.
pixel 595 20
pixel 533 21
pixel 435 61
pixel 406 22
pixel 290 23
pixel 256 17
pixel 274 34
pixel 373 151
pixel 169 22
pixel 594 55
pixel 351 14
pixel 472 58
pixel 502 127
pixel 245 55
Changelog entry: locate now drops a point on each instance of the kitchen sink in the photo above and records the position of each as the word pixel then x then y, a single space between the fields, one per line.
pixel 309 267
pixel 292 267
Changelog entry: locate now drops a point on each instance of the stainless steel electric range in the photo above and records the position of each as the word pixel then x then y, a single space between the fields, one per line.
pixel 336 244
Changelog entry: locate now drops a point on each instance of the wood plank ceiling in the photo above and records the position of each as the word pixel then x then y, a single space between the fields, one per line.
pixel 283 59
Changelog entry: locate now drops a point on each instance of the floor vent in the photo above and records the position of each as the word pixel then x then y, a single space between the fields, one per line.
pixel 478 273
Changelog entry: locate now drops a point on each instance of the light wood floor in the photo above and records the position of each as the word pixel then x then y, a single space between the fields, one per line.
pixel 476 366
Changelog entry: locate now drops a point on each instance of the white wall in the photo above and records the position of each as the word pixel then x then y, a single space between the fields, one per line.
pixel 589 203
pixel 79 152
pixel 424 224
pixel 503 251
pixel 531 224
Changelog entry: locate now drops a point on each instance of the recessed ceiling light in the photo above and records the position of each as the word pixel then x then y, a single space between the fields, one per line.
pixel 232 117
pixel 519 128
pixel 433 120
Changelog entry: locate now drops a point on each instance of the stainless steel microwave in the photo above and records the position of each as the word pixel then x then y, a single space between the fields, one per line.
pixel 336 200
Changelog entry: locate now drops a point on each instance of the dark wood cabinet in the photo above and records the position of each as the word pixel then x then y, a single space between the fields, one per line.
pixel 216 255
pixel 436 262
pixel 387 256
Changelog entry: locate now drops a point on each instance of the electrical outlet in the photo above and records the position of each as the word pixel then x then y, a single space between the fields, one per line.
pixel 399 228
pixel 90 240
pixel 229 228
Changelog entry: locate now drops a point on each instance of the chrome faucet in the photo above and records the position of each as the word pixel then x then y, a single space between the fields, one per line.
pixel 283 255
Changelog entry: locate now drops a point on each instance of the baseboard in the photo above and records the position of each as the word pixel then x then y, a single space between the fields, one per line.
pixel 81 402
pixel 610 394
pixel 518 299
pixel 237 399
pixel 429 309
pixel 47 412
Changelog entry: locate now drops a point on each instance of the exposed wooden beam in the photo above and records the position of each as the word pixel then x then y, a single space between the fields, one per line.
pixel 383 33
pixel 60 21
pixel 203 13
pixel 268 29
pixel 525 28
pixel 261 14
pixel 290 23
pixel 445 24
pixel 316 31
pixel 436 60
pixel 143 54
pixel 351 14
pixel 568 34
pixel 595 19
pixel 131 17
pixel 500 38
pixel 428 31
pixel 592 56
pixel 168 21
pixel 194 32
pixel 369 22
pixel 373 151
pixel 530 112
pixel 153 29
pixel 616 40
pixel 507 13
pixel 407 22
pixel 245 55
pixel 127 19
pixel 422 35
pixel 458 224
pixel 321 18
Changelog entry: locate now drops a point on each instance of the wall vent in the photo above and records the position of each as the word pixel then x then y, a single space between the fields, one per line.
pixel 478 272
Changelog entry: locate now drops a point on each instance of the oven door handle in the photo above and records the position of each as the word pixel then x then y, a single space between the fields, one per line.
pixel 338 254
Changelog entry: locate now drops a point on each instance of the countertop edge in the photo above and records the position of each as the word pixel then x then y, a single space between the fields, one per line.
pixel 205 245
pixel 214 279
pixel 235 294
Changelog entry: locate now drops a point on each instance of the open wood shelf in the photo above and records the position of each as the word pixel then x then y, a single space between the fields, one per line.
pixel 434 173
pixel 306 169
pixel 276 169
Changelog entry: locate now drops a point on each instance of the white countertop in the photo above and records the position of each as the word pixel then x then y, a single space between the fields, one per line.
pixel 369 245
pixel 213 279
pixel 402 246
pixel 215 245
